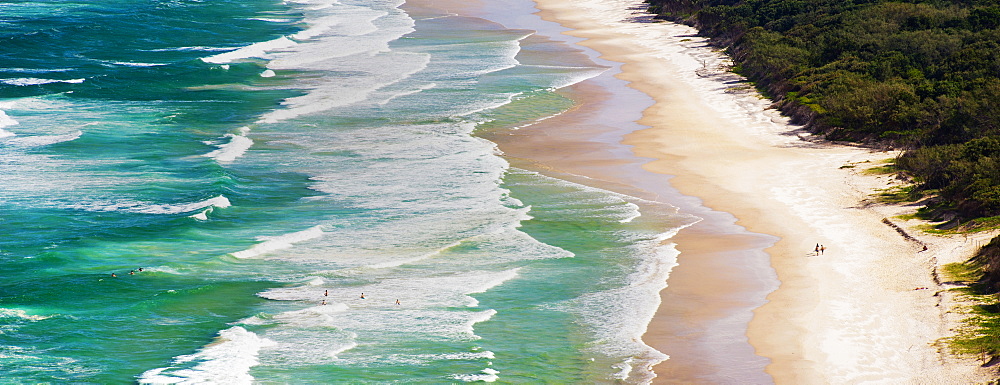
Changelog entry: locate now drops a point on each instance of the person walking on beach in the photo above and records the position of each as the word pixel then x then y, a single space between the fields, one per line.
pixel 816 250
pixel 822 249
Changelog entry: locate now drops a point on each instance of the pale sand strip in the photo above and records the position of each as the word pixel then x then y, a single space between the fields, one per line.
pixel 851 315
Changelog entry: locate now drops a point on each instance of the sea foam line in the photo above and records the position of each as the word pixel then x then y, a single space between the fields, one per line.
pixel 280 242
pixel 41 140
pixel 238 145
pixel 37 81
pixel 145 208
pixel 226 361
pixel 6 121
pixel 488 375
pixel 20 314
pixel 254 50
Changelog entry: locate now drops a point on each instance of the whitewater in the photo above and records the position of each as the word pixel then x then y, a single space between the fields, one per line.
pixel 299 192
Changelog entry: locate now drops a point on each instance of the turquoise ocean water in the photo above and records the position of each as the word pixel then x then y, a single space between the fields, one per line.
pixel 265 163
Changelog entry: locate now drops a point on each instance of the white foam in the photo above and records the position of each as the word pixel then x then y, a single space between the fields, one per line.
pixel 267 74
pixel 486 375
pixel 343 38
pixel 237 145
pixel 624 368
pixel 202 216
pixel 134 64
pixel 6 121
pixel 37 81
pixel 20 314
pixel 415 91
pixel 326 94
pixel 150 208
pixel 481 286
pixel 359 23
pixel 42 140
pixel 477 317
pixel 256 50
pixel 225 361
pixel 634 214
pixel 219 201
pixel 315 316
pixel 271 20
pixel 340 349
pixel 162 269
pixel 192 48
pixel 401 262
pixel 271 244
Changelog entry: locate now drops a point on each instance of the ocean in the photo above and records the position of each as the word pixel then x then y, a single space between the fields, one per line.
pixel 258 191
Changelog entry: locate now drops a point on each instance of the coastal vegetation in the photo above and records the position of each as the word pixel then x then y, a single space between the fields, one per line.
pixel 922 76
pixel 981 278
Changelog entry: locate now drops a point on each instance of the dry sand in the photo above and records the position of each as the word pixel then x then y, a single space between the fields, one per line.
pixel 867 310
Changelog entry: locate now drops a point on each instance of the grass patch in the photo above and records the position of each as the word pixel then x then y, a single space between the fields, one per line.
pixel 898 194
pixel 881 170
pixel 980 332
pixel 931 228
pixel 972 226
pixel 980 224
pixel 962 272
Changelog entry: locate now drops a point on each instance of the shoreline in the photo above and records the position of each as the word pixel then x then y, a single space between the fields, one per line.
pixel 867 309
pixel 584 145
pixel 684 130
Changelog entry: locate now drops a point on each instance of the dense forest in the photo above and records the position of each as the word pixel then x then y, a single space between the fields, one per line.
pixel 918 75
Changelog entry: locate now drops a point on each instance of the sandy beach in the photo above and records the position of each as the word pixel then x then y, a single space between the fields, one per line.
pixel 751 301
pixel 867 309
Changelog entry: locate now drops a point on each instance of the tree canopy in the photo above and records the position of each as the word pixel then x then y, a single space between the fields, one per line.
pixel 919 75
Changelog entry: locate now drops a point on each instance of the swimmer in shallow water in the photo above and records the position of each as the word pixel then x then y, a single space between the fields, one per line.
pixel 362 295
